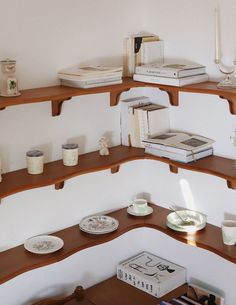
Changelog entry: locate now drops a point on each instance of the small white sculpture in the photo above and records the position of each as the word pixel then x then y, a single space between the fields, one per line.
pixel 103 143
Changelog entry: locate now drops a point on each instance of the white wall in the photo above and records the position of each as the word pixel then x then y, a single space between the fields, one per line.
pixel 45 36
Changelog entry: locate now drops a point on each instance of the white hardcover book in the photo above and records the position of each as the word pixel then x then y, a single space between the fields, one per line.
pixel 75 84
pixel 177 82
pixel 151 274
pixel 153 119
pixel 152 52
pixel 89 77
pixel 170 70
pixel 91 71
pixel 124 116
pixel 179 157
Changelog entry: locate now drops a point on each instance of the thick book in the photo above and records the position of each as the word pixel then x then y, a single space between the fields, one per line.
pixel 151 274
pixel 179 142
pixel 171 70
pixel 177 82
pixel 178 157
pixel 89 71
pixel 93 84
pixel 125 105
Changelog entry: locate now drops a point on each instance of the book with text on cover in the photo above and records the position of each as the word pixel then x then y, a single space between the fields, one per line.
pixel 171 70
pixel 177 82
pixel 151 274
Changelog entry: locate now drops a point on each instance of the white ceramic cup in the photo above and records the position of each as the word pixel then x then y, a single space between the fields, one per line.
pixel 34 162
pixel 229 232
pixel 70 154
pixel 139 206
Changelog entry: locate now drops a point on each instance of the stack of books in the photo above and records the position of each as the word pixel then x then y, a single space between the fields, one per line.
pixel 140 49
pixel 179 146
pixel 196 295
pixel 171 74
pixel 141 119
pixel 90 76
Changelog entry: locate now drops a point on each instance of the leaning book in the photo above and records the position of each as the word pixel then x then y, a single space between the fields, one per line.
pixel 152 274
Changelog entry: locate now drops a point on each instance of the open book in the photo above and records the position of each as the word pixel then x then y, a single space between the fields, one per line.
pixel 179 142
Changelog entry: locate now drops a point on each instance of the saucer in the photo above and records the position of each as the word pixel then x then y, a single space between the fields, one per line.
pixel 131 211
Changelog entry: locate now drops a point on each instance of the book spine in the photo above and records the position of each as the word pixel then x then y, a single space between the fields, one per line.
pixel 137 281
pixel 152 71
pixel 166 148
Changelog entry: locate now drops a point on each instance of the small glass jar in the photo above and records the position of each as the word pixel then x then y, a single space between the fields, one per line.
pixel 70 154
pixel 9 83
pixel 34 162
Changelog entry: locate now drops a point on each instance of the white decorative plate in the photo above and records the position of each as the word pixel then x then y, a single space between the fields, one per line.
pixel 43 244
pixel 175 223
pixel 98 224
pixel 131 211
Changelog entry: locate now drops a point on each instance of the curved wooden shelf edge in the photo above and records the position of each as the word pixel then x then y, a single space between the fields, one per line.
pixel 212 165
pixel 173 93
pixel 16 261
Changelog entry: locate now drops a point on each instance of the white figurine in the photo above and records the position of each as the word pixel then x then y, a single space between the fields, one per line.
pixel 104 151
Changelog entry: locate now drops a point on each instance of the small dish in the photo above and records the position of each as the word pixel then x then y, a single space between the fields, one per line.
pixel 130 210
pixel 174 222
pixel 43 244
pixel 98 224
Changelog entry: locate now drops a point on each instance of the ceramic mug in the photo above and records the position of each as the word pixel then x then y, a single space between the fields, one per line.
pixel 139 206
pixel 70 154
pixel 229 232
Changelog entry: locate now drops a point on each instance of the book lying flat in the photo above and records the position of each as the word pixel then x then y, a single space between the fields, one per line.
pixel 178 157
pixel 171 70
pixel 177 82
pixel 85 85
pixel 179 142
pixel 90 71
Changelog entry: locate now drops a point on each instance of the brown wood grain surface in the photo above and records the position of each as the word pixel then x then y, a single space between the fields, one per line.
pixel 18 260
pixel 55 173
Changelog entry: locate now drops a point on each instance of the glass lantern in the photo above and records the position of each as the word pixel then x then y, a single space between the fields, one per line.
pixel 9 83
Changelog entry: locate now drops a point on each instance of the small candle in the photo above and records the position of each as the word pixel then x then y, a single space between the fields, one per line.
pixel 217 35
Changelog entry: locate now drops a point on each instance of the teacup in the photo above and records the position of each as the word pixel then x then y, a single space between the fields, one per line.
pixel 229 232
pixel 139 206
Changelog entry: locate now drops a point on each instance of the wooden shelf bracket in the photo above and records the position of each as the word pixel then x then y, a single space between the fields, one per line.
pixel 115 169
pixel 173 94
pixel 59 185
pixel 231 98
pixel 57 106
pixel 115 96
pixel 173 169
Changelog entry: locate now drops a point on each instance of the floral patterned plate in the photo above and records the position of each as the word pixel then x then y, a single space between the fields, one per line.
pixel 43 244
pixel 98 224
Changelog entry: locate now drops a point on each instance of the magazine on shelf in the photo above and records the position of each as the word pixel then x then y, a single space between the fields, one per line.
pixel 171 70
pixel 151 274
pixel 177 82
pixel 179 157
pixel 179 142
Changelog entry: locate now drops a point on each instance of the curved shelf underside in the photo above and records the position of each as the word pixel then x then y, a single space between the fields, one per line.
pixel 55 173
pixel 17 260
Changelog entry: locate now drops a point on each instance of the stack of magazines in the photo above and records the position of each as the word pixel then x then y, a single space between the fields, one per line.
pixel 173 74
pixel 179 146
pixel 90 76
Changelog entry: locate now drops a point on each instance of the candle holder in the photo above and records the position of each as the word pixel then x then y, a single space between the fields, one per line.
pixel 9 83
pixel 229 82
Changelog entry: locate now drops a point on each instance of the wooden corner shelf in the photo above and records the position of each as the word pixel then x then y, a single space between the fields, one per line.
pixel 115 292
pixel 55 173
pixel 59 94
pixel 17 260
